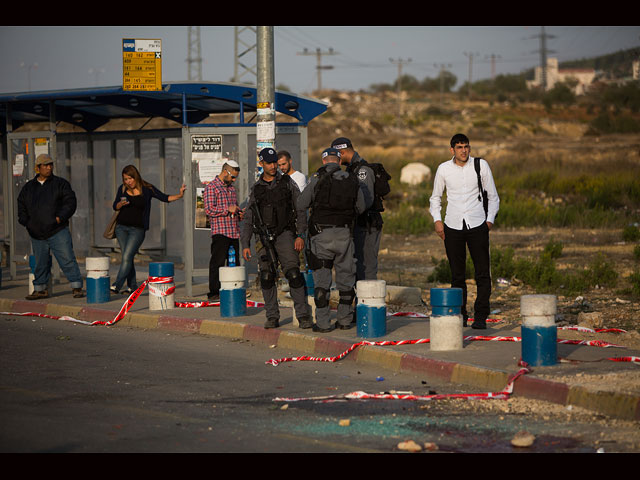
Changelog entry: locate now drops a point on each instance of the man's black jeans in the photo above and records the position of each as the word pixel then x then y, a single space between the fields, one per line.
pixel 456 243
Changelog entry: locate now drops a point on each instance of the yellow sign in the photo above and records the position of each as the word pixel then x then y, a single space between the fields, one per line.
pixel 141 64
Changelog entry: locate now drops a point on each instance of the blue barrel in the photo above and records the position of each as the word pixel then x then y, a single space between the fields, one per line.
pixel 98 290
pixel 446 301
pixel 161 269
pixel 539 345
pixel 308 280
pixel 371 321
pixel 233 303
pixel 371 310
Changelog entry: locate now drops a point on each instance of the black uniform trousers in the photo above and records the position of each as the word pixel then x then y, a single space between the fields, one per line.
pixel 219 253
pixel 477 240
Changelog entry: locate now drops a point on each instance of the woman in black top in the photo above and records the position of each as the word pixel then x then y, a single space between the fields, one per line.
pixel 133 200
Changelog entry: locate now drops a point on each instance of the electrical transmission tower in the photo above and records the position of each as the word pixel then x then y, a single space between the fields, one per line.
pixel 194 57
pixel 319 67
pixel 543 55
pixel 245 44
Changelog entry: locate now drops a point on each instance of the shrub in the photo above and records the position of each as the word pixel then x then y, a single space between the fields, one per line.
pixel 630 233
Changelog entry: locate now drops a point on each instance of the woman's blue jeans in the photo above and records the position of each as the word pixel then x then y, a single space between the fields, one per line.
pixel 129 239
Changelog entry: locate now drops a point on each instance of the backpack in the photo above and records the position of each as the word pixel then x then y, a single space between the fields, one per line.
pixel 483 192
pixel 381 186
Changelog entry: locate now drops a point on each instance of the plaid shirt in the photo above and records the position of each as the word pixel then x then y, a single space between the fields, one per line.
pixel 218 197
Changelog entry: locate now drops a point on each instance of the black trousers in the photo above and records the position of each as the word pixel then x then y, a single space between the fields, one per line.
pixel 477 240
pixel 219 253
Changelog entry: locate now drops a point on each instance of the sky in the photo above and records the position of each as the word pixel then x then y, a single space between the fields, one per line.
pixel 35 58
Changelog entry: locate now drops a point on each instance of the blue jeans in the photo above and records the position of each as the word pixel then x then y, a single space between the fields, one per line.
pixel 129 239
pixel 62 247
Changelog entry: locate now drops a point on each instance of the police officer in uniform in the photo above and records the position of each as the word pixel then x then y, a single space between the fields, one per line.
pixel 276 195
pixel 334 199
pixel 368 228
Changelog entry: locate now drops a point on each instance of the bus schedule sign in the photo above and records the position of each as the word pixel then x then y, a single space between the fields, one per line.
pixel 141 64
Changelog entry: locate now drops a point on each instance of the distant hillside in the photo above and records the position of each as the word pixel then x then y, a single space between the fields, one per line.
pixel 615 65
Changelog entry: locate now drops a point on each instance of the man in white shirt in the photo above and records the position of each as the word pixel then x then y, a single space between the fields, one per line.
pixel 466 223
pixel 286 166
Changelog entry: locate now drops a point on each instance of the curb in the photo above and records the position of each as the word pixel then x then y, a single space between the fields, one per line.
pixel 619 405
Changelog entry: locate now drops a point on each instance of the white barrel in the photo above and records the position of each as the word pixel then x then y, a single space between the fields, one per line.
pixel 97 267
pixel 538 305
pixel 371 292
pixel 445 332
pixel 231 278
pixel 161 295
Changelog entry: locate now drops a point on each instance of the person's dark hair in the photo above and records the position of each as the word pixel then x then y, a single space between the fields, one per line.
pixel 284 153
pixel 459 138
pixel 132 171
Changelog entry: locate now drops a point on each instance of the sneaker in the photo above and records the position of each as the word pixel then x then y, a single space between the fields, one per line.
pixel 213 297
pixel 36 295
pixel 113 289
pixel 77 293
pixel 316 328
pixel 127 291
pixel 272 323
pixel 305 322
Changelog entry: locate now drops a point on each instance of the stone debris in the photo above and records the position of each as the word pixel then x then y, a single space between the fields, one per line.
pixel 523 439
pixel 345 422
pixel 409 446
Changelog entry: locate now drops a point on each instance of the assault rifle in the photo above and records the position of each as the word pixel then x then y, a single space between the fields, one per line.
pixel 267 238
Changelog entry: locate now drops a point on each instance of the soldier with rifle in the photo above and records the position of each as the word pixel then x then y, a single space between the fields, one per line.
pixel 273 216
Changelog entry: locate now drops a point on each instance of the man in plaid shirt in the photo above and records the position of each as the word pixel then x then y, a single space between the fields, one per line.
pixel 221 207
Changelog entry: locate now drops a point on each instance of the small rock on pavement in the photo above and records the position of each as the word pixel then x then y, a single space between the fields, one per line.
pixel 345 422
pixel 590 319
pixel 523 439
pixel 409 446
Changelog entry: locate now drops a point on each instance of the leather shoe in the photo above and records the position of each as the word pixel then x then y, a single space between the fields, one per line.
pixel 345 327
pixel 36 295
pixel 272 323
pixel 77 293
pixel 316 328
pixel 305 322
pixel 479 325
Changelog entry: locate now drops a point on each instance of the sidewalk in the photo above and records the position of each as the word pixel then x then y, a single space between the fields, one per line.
pixel 482 365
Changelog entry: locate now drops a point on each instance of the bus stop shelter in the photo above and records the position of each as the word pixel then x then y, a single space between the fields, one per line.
pixel 180 134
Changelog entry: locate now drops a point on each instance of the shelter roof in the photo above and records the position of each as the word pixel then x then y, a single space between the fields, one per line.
pixel 90 108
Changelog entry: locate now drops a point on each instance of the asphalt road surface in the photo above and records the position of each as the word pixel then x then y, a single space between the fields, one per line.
pixel 67 387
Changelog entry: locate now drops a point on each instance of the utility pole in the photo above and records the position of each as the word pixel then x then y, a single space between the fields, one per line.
pixel 400 62
pixel 319 67
pixel 470 55
pixel 441 66
pixel 493 58
pixel 266 118
pixel 194 57
pixel 248 46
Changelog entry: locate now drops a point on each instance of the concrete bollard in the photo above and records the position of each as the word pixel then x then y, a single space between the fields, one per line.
pixel 371 310
pixel 98 279
pixel 32 270
pixel 233 294
pixel 161 294
pixel 538 330
pixel 445 322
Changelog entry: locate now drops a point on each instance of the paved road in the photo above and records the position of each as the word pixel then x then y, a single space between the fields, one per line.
pixel 66 387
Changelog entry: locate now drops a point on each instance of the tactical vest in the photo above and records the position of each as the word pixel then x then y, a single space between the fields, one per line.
pixel 334 199
pixel 276 204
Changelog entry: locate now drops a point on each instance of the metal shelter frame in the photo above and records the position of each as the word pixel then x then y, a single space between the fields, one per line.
pixel 190 105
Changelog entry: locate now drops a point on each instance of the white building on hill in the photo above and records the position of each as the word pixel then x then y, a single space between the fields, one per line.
pixel 583 76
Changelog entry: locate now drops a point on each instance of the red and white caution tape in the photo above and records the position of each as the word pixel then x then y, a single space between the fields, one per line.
pixel 276 362
pixel 130 301
pixel 359 395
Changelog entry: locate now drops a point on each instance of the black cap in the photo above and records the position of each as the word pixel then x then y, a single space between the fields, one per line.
pixel 268 155
pixel 341 142
pixel 331 152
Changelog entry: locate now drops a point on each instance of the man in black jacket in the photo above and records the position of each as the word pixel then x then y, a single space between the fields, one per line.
pixel 45 205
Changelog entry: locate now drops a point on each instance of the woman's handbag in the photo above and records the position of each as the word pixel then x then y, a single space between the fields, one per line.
pixel 110 231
